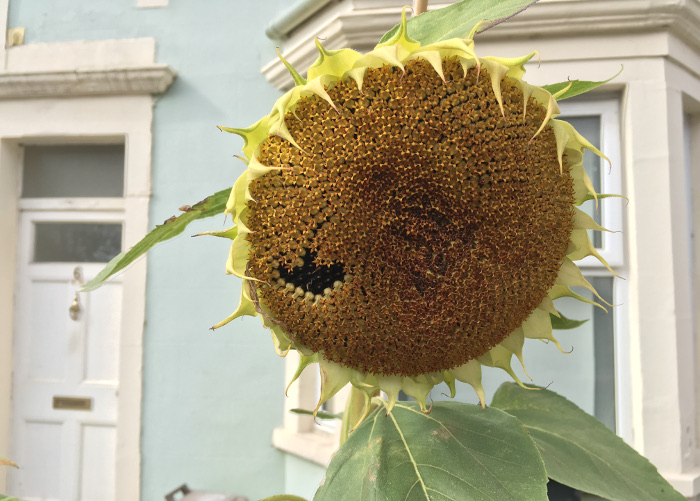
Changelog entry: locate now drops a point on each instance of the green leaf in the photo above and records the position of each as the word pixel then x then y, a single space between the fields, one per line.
pixel 319 414
pixel 3 497
pixel 561 322
pixel 581 452
pixel 458 20
pixel 210 206
pixel 577 87
pixel 458 452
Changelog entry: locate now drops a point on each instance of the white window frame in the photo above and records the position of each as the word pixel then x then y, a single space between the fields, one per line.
pixel 608 109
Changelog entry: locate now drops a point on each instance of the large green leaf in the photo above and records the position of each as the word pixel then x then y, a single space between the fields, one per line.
pixel 3 497
pixel 458 20
pixel 210 206
pixel 581 452
pixel 458 452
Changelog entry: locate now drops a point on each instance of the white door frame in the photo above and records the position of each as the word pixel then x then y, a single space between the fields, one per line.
pixel 106 119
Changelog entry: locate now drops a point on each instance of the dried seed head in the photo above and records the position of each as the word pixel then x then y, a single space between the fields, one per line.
pixel 443 220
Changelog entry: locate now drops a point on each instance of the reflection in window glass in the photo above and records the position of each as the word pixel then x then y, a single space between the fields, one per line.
pixel 73 170
pixel 77 242
pixel 589 127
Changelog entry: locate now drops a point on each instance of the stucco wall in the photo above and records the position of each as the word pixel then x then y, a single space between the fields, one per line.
pixel 210 400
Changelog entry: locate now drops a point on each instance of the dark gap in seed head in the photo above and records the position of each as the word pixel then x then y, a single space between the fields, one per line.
pixel 311 277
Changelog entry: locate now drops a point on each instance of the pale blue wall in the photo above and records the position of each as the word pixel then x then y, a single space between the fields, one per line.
pixel 211 400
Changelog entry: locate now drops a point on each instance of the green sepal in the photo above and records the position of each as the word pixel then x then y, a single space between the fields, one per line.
pixel 298 79
pixel 210 206
pixel 563 323
pixel 576 87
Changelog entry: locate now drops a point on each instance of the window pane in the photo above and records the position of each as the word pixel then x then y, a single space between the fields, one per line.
pixel 75 170
pixel 77 242
pixel 589 127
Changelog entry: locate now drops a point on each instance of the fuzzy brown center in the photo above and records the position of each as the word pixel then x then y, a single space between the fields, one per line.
pixel 418 227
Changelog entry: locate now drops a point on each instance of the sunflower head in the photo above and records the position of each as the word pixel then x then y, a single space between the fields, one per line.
pixel 409 215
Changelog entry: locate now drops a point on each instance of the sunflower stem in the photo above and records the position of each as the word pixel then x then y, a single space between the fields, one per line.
pixel 419 6
pixel 353 413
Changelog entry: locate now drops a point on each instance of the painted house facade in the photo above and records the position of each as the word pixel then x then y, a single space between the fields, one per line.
pixel 107 127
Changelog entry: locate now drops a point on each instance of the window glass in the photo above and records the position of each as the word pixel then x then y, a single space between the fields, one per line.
pixel 589 127
pixel 77 242
pixel 74 170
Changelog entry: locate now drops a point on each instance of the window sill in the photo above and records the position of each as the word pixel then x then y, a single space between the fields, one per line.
pixel 317 446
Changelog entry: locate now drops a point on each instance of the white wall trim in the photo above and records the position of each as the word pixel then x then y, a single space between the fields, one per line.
pixel 84 68
pixel 151 4
pixel 150 80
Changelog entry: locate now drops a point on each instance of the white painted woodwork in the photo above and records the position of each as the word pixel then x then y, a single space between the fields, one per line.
pixel 65 454
pixel 63 119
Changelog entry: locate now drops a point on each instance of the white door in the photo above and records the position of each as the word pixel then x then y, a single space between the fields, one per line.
pixel 66 356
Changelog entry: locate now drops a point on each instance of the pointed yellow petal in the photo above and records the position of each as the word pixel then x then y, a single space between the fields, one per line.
pixel 516 65
pixel 470 373
pixel 401 37
pixel 332 62
pixel 497 72
pixel 304 362
pixel 558 291
pixel 333 378
pixel 245 307
pixel 500 357
pixel 570 275
pixel 252 136
pixel 417 388
pixel 515 342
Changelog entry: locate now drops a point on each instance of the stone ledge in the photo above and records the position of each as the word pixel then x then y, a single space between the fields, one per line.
pixel 115 81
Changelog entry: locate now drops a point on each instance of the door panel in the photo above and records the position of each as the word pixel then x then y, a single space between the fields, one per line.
pixel 65 386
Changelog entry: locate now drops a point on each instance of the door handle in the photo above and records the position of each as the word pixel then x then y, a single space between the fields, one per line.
pixel 74 310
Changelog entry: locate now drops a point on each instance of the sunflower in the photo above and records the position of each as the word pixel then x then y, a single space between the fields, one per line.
pixel 409 215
